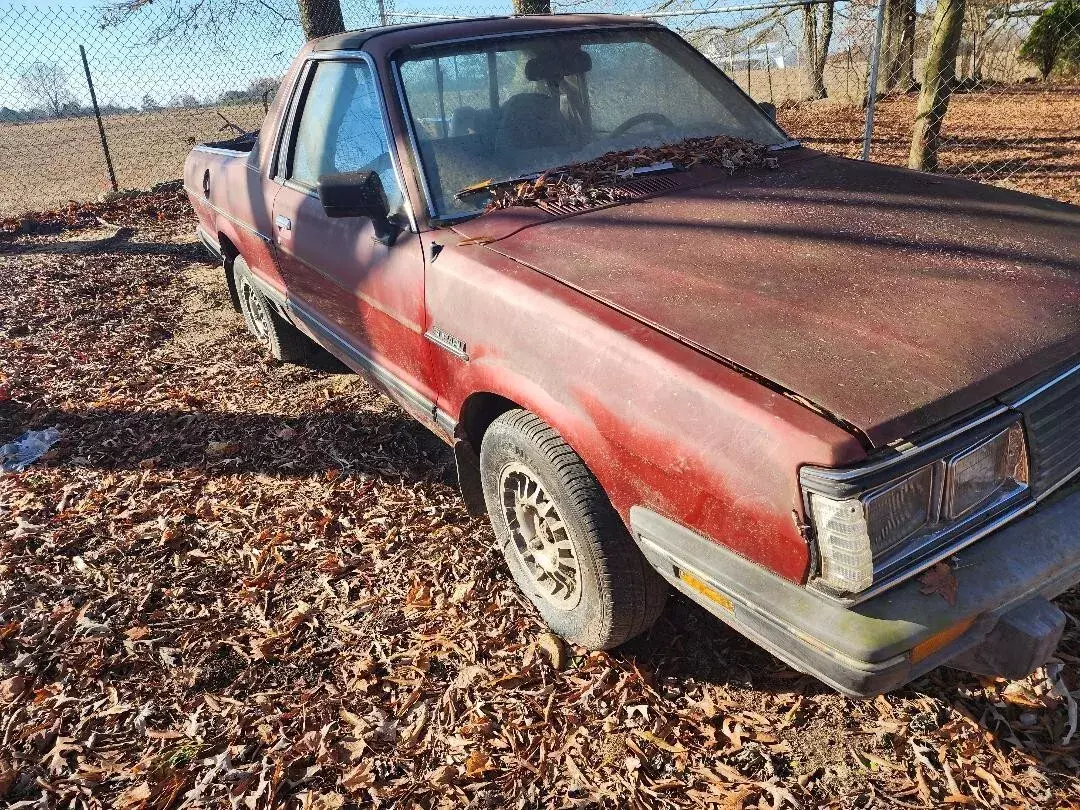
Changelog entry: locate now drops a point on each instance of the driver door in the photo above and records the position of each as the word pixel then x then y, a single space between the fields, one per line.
pixel 355 293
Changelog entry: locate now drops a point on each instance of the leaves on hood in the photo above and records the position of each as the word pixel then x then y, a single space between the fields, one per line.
pixel 600 181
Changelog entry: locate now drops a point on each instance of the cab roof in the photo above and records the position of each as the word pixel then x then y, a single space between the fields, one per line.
pixel 392 37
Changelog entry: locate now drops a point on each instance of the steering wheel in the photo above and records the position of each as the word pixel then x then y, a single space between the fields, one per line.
pixel 642 118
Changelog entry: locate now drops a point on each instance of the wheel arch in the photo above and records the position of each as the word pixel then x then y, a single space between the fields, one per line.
pixel 229 252
pixel 482 407
pixel 478 411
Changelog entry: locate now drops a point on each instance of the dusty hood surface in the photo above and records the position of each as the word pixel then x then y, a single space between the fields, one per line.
pixel 891 299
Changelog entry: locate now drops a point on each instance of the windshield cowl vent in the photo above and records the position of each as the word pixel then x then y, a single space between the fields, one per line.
pixel 633 189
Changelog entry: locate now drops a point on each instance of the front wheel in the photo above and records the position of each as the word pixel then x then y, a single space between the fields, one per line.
pixel 566 547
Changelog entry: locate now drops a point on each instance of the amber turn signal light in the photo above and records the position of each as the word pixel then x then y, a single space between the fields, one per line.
pixel 924 649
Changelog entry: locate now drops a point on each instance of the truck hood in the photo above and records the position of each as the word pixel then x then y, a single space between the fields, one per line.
pixel 888 298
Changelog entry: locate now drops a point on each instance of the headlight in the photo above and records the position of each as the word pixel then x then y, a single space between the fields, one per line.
pixel 978 474
pixel 852 533
pixel 859 531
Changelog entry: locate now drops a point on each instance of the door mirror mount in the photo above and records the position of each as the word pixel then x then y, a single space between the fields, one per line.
pixel 358 194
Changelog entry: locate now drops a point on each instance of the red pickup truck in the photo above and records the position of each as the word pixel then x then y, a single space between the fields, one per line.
pixel 834 402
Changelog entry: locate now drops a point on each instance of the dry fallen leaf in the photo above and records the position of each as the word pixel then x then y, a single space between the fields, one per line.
pixel 13 688
pixel 7 777
pixel 358 778
pixel 940 580
pixel 133 797
pixel 477 764
pixel 444 775
pixel 648 736
pixel 325 801
pixel 553 649
pixel 419 596
pixel 602 181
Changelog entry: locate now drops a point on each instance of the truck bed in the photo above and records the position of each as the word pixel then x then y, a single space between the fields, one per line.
pixel 242 143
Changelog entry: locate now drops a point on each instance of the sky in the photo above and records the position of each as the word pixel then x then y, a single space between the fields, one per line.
pixel 129 62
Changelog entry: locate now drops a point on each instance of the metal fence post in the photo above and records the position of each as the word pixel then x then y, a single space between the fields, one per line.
pixel 97 115
pixel 768 72
pixel 871 90
pixel 748 66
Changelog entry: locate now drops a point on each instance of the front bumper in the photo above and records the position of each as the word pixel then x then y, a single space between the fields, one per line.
pixel 1003 583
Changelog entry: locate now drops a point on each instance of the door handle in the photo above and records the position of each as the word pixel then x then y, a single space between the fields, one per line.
pixel 283 223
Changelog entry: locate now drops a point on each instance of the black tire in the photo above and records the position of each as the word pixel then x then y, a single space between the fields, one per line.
pixel 619 594
pixel 279 337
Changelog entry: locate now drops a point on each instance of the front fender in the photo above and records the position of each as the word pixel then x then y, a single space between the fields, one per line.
pixel 660 424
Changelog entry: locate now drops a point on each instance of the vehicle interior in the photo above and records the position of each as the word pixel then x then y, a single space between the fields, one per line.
pixel 521 105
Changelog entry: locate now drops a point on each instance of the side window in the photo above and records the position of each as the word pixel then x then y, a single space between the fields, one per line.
pixel 341 128
pixel 511 66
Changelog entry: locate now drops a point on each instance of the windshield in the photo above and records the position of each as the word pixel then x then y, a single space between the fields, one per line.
pixel 490 110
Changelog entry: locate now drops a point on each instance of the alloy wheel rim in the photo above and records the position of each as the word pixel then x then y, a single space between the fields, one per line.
pixel 540 537
pixel 260 318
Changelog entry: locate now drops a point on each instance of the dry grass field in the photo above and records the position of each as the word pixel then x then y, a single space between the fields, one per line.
pixel 845 80
pixel 47 163
pixel 1024 136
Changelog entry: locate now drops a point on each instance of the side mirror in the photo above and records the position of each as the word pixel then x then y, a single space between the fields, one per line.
pixel 353 194
pixel 358 194
pixel 768 108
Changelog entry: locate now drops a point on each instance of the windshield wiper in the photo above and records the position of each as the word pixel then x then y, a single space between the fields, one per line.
pixel 662 166
pixel 487 185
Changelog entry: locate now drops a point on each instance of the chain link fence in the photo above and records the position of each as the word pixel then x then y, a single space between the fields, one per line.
pixel 1010 76
pixel 167 76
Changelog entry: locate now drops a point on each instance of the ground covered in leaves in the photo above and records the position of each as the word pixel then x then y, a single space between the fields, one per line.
pixel 237 583
pixel 1025 137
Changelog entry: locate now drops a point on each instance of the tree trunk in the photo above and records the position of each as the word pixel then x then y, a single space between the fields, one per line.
pixel 817 34
pixel 903 71
pixel 320 18
pixel 890 44
pixel 938 81
pixel 532 6
pixel 898 47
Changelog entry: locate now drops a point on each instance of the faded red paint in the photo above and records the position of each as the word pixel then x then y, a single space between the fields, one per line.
pixel 659 423
pixel 892 299
pixel 663 337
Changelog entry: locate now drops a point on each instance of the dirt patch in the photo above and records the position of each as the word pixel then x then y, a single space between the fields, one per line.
pixel 207 317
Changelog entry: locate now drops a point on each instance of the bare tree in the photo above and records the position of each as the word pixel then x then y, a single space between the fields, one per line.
pixel 817 30
pixel 47 84
pixel 938 80
pixel 898 46
pixel 318 18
